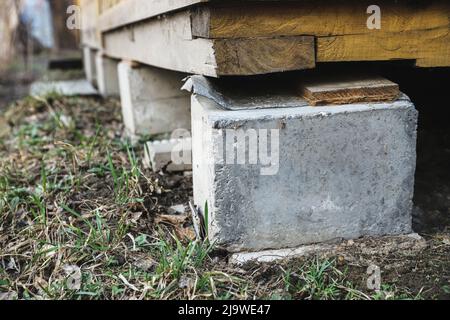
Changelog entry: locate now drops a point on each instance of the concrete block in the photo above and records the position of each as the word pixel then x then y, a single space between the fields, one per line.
pixel 304 175
pixel 90 69
pixel 107 75
pixel 152 102
pixel 65 88
pixel 173 155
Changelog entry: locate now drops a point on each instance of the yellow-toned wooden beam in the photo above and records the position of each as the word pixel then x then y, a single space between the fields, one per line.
pixel 168 43
pixel 409 30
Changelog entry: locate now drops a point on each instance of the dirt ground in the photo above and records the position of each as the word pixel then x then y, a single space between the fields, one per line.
pixel 81 218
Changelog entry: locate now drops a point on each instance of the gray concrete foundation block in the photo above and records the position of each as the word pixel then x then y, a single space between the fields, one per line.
pixel 65 88
pixel 107 75
pixel 152 101
pixel 90 68
pixel 343 172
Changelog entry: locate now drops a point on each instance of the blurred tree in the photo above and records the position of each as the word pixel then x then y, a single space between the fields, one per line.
pixel 9 20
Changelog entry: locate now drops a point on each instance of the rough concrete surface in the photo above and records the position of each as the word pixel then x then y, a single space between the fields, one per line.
pixel 152 102
pixel 65 88
pixel 107 75
pixel 90 65
pixel 344 172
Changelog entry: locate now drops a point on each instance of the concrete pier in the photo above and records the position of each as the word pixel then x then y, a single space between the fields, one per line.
pixel 90 68
pixel 107 75
pixel 285 177
pixel 152 102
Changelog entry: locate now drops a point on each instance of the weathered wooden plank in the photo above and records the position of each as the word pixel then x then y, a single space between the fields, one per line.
pixel 346 89
pixel 118 13
pixel 319 18
pixel 132 11
pixel 417 31
pixel 430 48
pixel 165 43
pixel 168 43
pixel 255 37
pixel 247 56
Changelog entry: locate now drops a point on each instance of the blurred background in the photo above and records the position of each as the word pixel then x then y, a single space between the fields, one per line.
pixel 32 33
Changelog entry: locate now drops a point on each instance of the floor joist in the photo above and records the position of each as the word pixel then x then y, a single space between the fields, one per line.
pixel 223 38
pixel 417 32
pixel 168 43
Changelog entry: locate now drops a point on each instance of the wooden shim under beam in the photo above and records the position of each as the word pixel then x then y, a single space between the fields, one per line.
pixel 347 89
pixel 168 43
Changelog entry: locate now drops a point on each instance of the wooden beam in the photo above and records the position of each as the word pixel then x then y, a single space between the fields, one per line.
pixel 410 30
pixel 247 56
pixel 220 38
pixel 131 11
pixel 168 43
pixel 119 13
pixel 430 48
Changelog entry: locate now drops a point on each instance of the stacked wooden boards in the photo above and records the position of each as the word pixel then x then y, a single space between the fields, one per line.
pixel 223 37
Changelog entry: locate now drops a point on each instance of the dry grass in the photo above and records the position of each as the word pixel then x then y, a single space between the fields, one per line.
pixel 80 218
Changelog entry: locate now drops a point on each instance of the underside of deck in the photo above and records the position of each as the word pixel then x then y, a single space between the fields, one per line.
pixel 220 38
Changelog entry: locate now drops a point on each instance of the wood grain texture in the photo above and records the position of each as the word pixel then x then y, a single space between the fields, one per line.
pixel 165 43
pixel 320 17
pixel 247 56
pixel 416 30
pixel 125 12
pixel 347 89
pixel 430 48
pixel 168 43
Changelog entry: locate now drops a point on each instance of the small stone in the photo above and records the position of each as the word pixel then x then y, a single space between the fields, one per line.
pixel 187 173
pixel 185 283
pixel 177 210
